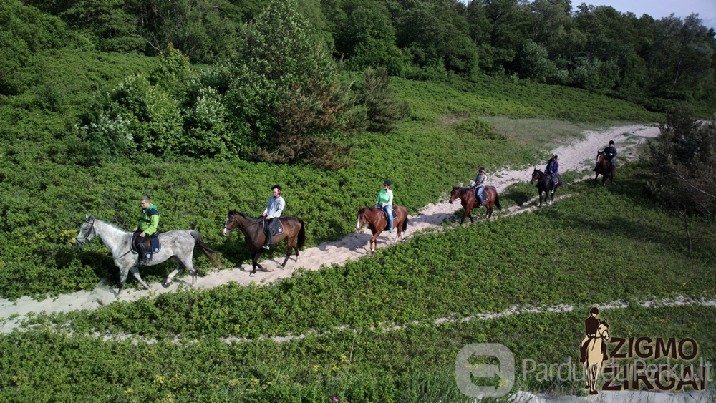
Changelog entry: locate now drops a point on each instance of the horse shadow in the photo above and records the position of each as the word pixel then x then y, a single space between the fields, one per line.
pixel 352 241
pixel 518 196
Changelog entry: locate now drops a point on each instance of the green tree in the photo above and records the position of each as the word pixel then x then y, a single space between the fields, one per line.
pixel 25 31
pixel 285 93
pixel 681 59
pixel 508 24
pixel 383 111
pixel 364 35
pixel 435 34
pixel 683 165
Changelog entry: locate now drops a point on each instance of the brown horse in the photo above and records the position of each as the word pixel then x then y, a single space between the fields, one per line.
pixel 602 168
pixel 377 222
pixel 469 200
pixel 253 228
pixel 544 185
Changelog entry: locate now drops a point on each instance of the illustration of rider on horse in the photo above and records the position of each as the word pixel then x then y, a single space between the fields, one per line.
pixel 591 326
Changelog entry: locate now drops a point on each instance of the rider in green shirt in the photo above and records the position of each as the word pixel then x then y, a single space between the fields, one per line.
pixel 385 201
pixel 147 226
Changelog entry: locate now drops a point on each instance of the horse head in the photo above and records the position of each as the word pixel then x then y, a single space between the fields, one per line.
pixel 231 222
pixel 455 193
pixel 361 218
pixel 536 176
pixel 87 231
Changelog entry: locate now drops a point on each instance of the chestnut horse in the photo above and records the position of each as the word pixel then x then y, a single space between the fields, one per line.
pixel 253 228
pixel 469 200
pixel 602 168
pixel 544 185
pixel 377 222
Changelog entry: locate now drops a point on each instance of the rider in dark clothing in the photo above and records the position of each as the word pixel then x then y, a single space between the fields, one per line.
pixel 610 153
pixel 552 170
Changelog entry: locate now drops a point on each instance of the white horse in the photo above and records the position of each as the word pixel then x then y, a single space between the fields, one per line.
pixel 177 244
pixel 595 357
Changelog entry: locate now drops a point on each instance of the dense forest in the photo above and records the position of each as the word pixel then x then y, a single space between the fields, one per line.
pixel 285 81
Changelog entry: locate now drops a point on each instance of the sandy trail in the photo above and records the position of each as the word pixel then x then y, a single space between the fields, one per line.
pixel 577 156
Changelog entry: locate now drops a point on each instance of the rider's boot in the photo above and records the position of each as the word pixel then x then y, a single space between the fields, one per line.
pixel 142 254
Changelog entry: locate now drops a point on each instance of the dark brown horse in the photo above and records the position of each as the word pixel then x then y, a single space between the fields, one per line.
pixel 602 168
pixel 377 222
pixel 544 185
pixel 253 228
pixel 469 200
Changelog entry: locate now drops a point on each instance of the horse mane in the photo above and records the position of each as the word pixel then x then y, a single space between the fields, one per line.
pixel 110 225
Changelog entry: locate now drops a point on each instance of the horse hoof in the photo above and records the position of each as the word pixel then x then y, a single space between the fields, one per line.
pixel 593 392
pixel 166 283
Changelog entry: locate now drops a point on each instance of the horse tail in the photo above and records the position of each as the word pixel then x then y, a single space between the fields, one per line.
pixel 405 223
pixel 199 241
pixel 497 201
pixel 301 235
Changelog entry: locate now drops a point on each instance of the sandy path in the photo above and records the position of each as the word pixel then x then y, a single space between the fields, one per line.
pixel 577 156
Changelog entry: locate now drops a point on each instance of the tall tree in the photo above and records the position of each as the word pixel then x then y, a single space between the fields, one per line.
pixel 364 35
pixel 681 57
pixel 435 33
pixel 285 93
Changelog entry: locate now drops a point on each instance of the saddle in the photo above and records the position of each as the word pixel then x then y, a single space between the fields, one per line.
pixel 275 227
pixel 385 215
pixel 151 245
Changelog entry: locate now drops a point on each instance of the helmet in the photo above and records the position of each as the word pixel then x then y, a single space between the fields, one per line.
pixel 482 169
pixel 276 187
pixel 387 182
pixel 611 142
pixel 594 310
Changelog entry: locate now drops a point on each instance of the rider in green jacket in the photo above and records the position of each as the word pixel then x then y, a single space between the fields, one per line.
pixel 147 226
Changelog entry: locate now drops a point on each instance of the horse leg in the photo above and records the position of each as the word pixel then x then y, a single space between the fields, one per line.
pixel 170 278
pixel 135 273
pixel 374 242
pixel 255 262
pixel 122 279
pixel 289 245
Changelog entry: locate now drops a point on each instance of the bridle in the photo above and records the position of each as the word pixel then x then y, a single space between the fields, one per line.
pixel 230 219
pixel 86 234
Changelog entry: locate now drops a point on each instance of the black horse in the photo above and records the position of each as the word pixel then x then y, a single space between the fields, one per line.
pixel 544 185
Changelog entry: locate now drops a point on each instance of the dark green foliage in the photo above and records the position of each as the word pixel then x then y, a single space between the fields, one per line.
pixel 365 36
pixel 434 34
pixel 384 111
pixel 285 92
pixel 683 159
pixel 24 32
